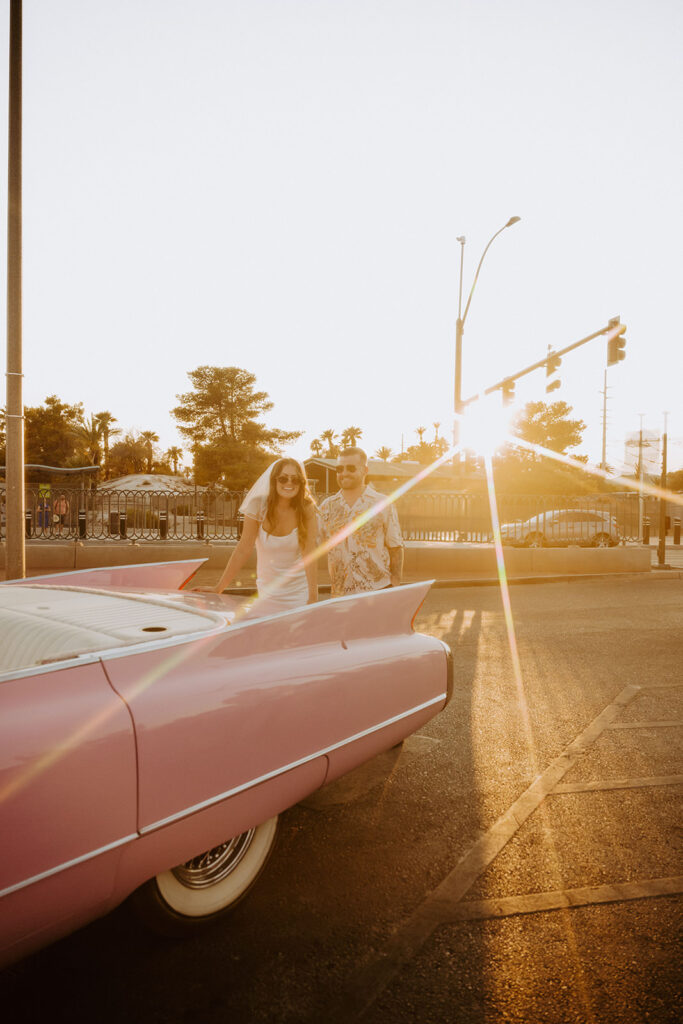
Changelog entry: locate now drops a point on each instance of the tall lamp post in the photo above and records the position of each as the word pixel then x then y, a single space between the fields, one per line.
pixel 460 323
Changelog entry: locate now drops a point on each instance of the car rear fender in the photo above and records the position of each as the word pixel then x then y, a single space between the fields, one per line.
pixel 227 713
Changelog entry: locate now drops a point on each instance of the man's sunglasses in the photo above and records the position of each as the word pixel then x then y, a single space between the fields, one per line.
pixel 285 478
pixel 347 469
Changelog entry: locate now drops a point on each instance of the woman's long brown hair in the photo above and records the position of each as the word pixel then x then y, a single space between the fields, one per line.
pixel 301 502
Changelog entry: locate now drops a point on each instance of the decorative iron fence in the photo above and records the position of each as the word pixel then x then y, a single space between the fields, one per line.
pixel 430 516
pixel 132 515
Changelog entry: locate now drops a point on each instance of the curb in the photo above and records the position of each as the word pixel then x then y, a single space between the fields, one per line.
pixel 624 577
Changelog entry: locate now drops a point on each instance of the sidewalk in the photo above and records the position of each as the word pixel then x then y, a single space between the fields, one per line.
pixel 449 563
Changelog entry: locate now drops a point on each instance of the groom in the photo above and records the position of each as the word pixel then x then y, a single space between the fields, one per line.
pixel 371 556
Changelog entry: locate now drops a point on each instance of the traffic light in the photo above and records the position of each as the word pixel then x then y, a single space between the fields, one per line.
pixel 508 390
pixel 617 343
pixel 552 365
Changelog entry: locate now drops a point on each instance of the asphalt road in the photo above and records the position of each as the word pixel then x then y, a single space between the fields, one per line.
pixel 519 860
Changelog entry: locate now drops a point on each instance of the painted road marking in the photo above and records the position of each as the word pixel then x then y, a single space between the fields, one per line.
pixel 591 787
pixel 535 902
pixel 439 906
pixel 646 725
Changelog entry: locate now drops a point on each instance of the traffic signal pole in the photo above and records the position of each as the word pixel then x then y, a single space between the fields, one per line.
pixel 613 329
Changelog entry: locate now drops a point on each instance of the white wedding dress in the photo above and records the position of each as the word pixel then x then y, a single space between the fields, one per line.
pixel 280 586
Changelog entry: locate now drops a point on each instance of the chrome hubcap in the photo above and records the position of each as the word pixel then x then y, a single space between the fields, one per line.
pixel 214 865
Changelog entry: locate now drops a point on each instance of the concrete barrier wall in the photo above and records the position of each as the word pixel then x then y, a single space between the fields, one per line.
pixel 423 560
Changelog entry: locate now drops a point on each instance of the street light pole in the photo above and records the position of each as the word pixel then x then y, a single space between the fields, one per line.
pixel 15 553
pixel 460 323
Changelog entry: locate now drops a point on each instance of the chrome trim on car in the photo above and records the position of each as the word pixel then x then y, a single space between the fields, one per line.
pixel 449 670
pixel 146 829
pixel 67 864
pixel 221 796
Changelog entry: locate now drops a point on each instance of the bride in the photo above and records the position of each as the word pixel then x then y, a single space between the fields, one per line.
pixel 280 520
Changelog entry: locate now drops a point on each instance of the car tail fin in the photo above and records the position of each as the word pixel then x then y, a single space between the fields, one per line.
pixel 150 576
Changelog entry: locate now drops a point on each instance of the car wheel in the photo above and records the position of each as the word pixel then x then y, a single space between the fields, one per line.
pixel 602 540
pixel 208 886
pixel 534 540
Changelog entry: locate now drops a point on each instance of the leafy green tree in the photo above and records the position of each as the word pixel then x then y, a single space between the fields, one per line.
pixel 550 426
pixel 129 455
pixel 220 419
pixel 52 431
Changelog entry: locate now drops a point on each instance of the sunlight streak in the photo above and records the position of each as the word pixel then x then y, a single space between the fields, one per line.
pixel 653 490
pixel 250 606
pixel 530 743
pixel 85 730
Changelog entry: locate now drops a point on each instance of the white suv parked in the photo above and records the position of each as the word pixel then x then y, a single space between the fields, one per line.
pixel 562 527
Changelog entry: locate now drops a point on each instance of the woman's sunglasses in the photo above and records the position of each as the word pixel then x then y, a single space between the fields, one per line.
pixel 285 479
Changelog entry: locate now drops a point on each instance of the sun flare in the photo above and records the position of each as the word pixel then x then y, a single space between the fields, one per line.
pixel 485 426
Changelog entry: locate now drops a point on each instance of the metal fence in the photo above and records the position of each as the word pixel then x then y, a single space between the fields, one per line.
pixel 132 515
pixel 435 516
pixel 530 519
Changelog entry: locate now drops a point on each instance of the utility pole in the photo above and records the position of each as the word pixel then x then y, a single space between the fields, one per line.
pixel 641 476
pixel 603 464
pixel 661 546
pixel 15 557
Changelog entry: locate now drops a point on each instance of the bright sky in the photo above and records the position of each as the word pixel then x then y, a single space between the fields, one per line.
pixel 279 185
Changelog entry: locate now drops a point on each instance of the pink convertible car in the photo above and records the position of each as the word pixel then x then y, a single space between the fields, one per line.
pixel 150 737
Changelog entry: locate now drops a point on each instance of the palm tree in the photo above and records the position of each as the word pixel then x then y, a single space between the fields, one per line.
pixel 383 453
pixel 88 436
pixel 436 431
pixel 330 438
pixel 420 433
pixel 149 438
pixel 350 436
pixel 174 454
pixel 316 446
pixel 106 421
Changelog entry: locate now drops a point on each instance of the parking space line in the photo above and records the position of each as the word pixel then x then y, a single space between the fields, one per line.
pixel 646 725
pixel 439 905
pixel 592 787
pixel 661 686
pixel 561 899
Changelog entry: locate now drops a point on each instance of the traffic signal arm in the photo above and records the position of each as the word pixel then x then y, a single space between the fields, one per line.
pixel 613 331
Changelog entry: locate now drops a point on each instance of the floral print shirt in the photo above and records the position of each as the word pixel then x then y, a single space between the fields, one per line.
pixel 361 560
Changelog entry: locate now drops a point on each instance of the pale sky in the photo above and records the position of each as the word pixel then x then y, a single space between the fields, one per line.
pixel 279 185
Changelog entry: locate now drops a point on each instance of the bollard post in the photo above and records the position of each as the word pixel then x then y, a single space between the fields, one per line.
pixel 163 525
pixel 677 531
pixel 82 523
pixel 200 525
pixel 646 529
pixel 122 525
pixel 29 522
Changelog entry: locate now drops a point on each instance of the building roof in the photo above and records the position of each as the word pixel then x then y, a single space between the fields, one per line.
pixel 149 482
pixel 380 469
